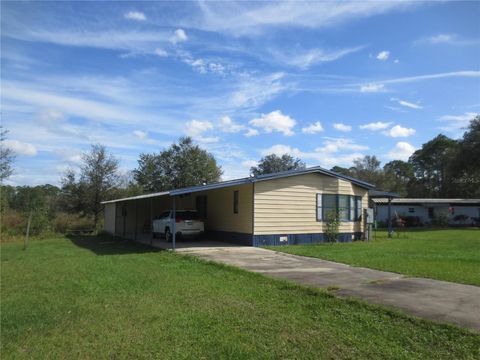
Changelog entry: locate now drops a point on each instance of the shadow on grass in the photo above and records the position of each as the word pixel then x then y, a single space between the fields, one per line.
pixel 108 245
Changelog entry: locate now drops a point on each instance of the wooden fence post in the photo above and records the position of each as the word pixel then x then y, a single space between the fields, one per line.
pixel 29 221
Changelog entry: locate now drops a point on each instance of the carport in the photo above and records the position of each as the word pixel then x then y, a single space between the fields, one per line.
pixel 226 209
pixel 283 208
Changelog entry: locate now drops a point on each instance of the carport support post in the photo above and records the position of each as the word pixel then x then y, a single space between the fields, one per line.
pixel 390 217
pixel 136 219
pixel 174 221
pixel 151 221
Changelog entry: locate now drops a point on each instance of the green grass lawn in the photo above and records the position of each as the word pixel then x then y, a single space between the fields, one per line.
pixel 451 255
pixel 94 298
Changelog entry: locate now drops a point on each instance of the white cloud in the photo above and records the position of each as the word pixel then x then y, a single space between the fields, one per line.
pixel 379 125
pixel 140 134
pixel 313 128
pixel 457 123
pixel 342 127
pixel 73 105
pixel 21 148
pixel 383 55
pixel 203 66
pixel 401 151
pixel 399 131
pixel 407 104
pixel 229 126
pixel 253 91
pixel 442 39
pixel 461 118
pixel 280 149
pixel 447 39
pixel 179 36
pixel 251 132
pixel 303 59
pixel 396 61
pixel 245 18
pixel 135 15
pixel 333 145
pixel 275 121
pixel 249 163
pixel 467 73
pixel 196 128
pixel 160 52
pixel 327 156
pixel 372 88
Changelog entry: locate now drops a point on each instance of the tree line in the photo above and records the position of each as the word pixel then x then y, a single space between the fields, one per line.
pixel 442 167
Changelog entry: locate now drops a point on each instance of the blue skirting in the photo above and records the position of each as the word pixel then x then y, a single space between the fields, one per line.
pixel 294 239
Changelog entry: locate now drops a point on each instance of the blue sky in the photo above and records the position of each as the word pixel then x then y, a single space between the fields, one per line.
pixel 327 82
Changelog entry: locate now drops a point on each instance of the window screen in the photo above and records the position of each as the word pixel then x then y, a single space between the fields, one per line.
pixel 358 208
pixel 352 208
pixel 319 207
pixel 343 207
pixel 349 207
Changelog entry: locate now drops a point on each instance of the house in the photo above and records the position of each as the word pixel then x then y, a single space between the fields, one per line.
pixel 457 211
pixel 282 208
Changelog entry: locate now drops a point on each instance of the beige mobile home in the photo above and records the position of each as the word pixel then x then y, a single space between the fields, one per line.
pixel 273 209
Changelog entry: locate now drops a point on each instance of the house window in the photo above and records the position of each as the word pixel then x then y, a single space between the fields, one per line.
pixel 319 207
pixel 343 207
pixel 329 203
pixel 349 207
pixel 411 210
pixel 235 202
pixel 358 208
pixel 352 207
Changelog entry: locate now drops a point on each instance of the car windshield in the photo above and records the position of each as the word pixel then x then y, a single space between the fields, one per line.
pixel 187 215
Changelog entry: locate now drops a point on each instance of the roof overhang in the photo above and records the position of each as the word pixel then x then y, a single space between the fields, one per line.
pixel 248 180
pixel 428 202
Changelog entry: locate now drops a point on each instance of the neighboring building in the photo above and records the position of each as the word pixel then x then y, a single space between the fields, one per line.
pixel 427 210
pixel 274 209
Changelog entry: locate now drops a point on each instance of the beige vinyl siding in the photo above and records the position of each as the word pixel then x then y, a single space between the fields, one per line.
pixel 288 205
pixel 220 215
pixel 109 214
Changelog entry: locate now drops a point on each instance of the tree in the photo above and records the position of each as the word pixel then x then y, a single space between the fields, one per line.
pixel 342 170
pixel 99 176
pixel 181 165
pixel 6 156
pixel 398 176
pixel 466 167
pixel 97 181
pixel 274 164
pixel 432 167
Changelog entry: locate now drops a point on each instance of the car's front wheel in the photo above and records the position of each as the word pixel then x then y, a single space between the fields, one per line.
pixel 168 235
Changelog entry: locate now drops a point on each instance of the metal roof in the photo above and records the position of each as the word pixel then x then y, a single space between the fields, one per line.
pixel 145 196
pixel 382 194
pixel 249 180
pixel 426 201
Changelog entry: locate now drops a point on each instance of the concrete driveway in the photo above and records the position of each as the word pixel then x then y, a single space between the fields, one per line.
pixel 431 299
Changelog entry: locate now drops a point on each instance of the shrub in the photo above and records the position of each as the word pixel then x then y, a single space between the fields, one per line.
pixel 412 221
pixel 64 222
pixel 440 220
pixel 332 226
pixel 461 218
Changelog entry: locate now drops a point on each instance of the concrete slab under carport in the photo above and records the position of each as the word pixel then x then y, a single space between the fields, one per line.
pixel 185 245
pixel 435 300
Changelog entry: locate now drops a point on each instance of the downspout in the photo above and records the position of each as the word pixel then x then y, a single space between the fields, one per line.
pixel 253 212
pixel 390 230
pixel 174 221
